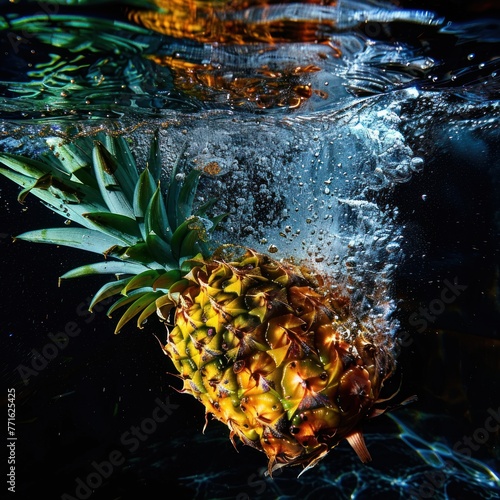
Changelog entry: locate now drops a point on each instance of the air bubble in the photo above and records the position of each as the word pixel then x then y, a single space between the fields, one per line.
pixel 416 164
pixel 392 247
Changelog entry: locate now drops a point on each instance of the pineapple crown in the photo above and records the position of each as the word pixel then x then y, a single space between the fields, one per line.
pixel 146 236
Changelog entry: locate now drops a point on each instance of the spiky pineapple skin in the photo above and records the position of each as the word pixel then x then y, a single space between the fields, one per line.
pixel 271 351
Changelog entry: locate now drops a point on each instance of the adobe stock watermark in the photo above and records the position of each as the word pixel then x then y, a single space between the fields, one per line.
pixel 259 481
pixel 428 314
pixel 17 39
pixel 57 342
pixel 436 479
pixel 480 436
pixel 131 439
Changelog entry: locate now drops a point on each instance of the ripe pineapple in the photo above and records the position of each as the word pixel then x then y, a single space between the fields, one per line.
pixel 267 346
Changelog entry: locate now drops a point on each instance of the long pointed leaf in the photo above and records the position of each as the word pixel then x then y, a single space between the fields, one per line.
pixel 75 237
pixel 108 290
pixel 66 197
pixel 156 220
pixel 116 225
pixel 112 193
pixel 126 174
pixel 166 280
pixel 178 237
pixel 161 251
pixel 74 160
pixel 134 295
pixel 137 306
pixel 46 197
pixel 154 161
pixel 203 209
pixel 144 279
pixel 111 267
pixel 148 311
pixel 187 194
pixel 174 188
pixel 143 193
pixel 30 167
pixel 126 158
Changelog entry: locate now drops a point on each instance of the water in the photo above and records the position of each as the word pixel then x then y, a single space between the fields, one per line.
pixel 360 136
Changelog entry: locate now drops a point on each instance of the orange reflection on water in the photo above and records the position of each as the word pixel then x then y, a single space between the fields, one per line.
pixel 260 25
pixel 233 21
pixel 264 88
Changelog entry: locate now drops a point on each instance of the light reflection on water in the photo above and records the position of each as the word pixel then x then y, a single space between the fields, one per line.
pixel 292 92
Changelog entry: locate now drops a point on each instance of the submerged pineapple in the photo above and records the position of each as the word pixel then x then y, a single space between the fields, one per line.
pixel 266 346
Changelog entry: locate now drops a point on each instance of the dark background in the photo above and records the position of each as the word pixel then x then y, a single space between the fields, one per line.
pixel 76 410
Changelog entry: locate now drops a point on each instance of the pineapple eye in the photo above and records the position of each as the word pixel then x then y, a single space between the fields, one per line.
pixel 238 366
pixel 323 376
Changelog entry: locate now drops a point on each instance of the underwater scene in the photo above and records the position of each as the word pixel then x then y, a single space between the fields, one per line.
pixel 250 249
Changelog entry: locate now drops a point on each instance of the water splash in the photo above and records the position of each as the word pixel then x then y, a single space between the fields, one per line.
pixel 303 132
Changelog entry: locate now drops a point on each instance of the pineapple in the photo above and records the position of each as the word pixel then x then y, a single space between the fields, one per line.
pixel 266 346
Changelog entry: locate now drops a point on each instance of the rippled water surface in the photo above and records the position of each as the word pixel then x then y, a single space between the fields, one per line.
pixel 360 135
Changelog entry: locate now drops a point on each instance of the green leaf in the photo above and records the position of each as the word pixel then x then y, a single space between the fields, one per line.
pixel 166 280
pixel 161 251
pixel 108 290
pixel 75 160
pixel 178 237
pixel 148 311
pixel 121 227
pixel 173 190
pixel 205 207
pixel 154 161
pixel 105 166
pixel 133 295
pixel 144 279
pixel 189 247
pixel 125 158
pixel 137 306
pixel 126 174
pixel 156 220
pixel 187 194
pixel 143 193
pixel 111 267
pixel 30 167
pixel 75 237
pixel 139 253
pixel 46 196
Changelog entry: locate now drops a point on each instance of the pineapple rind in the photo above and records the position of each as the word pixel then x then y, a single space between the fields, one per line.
pixel 292 381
